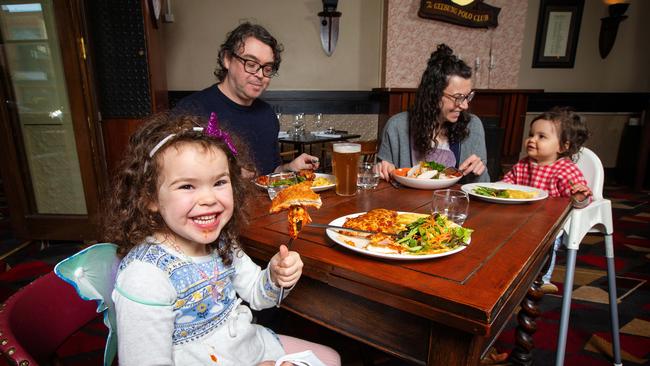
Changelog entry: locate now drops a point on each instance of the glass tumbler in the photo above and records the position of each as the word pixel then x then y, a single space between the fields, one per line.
pixel 452 203
pixel 368 177
pixel 280 181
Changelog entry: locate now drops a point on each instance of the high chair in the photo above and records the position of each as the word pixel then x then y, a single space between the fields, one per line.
pixel 597 217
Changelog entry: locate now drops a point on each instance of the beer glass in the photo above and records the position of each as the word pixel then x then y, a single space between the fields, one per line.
pixel 345 165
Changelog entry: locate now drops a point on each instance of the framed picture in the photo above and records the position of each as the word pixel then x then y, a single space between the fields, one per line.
pixel 558 27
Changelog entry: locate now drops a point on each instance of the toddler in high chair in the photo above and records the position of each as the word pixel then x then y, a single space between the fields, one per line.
pixel 175 210
pixel 554 138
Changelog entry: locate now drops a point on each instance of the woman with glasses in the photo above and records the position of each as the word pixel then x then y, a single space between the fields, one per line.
pixel 438 127
pixel 247 60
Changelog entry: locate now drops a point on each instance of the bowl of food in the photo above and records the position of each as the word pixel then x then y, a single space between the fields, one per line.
pixel 427 175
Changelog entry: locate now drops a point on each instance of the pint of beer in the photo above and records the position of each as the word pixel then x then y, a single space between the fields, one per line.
pixel 345 164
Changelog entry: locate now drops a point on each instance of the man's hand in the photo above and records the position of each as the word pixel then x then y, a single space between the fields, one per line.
pixel 304 161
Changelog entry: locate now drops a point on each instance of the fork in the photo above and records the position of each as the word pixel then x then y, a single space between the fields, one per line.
pixel 395 184
pixel 299 227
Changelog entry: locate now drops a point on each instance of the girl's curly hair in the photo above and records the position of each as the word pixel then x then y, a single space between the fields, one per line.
pixel 127 219
pixel 424 116
pixel 571 129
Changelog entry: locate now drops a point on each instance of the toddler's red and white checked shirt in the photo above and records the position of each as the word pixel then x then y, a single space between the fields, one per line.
pixel 555 178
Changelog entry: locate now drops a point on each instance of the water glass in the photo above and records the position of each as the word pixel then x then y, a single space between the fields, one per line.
pixel 368 177
pixel 452 203
pixel 280 181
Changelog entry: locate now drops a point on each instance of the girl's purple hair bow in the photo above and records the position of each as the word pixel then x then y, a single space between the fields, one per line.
pixel 214 131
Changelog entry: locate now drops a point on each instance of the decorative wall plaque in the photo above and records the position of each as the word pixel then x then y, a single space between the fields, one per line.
pixel 468 13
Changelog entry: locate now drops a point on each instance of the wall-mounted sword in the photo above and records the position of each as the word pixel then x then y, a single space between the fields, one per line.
pixel 329 26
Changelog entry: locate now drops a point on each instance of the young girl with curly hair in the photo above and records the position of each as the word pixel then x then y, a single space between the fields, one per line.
pixel 175 211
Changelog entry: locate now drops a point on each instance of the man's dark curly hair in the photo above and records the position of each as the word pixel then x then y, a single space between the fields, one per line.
pixel 571 129
pixel 127 219
pixel 424 116
pixel 235 41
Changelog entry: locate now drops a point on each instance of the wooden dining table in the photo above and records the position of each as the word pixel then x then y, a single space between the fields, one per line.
pixel 440 311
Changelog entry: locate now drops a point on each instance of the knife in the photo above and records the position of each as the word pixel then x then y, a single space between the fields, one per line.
pixel 327 226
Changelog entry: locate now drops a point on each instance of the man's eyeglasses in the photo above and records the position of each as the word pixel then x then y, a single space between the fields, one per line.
pixel 460 98
pixel 253 67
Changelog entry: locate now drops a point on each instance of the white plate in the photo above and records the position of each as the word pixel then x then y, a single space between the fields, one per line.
pixel 423 183
pixel 338 238
pixel 329 177
pixel 469 188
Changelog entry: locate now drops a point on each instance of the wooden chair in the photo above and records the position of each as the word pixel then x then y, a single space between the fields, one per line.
pixel 38 318
pixel 369 151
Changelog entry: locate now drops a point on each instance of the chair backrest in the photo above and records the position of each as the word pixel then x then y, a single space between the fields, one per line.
pixel 369 150
pixel 38 318
pixel 592 168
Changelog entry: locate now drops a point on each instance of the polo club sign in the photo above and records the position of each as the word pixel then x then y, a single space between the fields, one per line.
pixel 467 13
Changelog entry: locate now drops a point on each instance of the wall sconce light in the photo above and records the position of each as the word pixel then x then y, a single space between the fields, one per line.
pixel 329 26
pixel 609 27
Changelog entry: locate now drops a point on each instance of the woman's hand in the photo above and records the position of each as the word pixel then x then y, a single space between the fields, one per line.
pixel 384 168
pixel 286 267
pixel 473 164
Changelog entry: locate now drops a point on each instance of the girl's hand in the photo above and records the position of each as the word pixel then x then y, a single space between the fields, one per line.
pixel 384 168
pixel 580 192
pixel 286 267
pixel 473 164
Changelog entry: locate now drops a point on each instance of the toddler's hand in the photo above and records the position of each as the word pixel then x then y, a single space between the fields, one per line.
pixel 286 267
pixel 580 192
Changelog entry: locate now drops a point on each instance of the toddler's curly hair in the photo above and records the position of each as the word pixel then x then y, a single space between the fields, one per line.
pixel 571 129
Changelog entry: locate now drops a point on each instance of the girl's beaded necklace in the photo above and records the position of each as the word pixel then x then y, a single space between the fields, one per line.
pixel 212 280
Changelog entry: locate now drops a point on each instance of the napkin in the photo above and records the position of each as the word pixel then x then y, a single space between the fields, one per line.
pixel 325 134
pixel 306 358
pixel 283 134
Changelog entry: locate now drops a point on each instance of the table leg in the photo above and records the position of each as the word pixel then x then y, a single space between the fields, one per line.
pixel 524 344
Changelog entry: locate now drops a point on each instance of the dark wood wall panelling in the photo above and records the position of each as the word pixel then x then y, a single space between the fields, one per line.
pixel 130 69
pixel 309 101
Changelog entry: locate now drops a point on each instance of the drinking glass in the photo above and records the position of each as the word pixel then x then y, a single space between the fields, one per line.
pixel 298 123
pixel 345 165
pixel 368 177
pixel 452 203
pixel 280 181
pixel 318 121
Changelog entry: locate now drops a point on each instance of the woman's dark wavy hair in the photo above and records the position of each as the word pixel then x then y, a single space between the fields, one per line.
pixel 127 219
pixel 570 126
pixel 235 41
pixel 424 115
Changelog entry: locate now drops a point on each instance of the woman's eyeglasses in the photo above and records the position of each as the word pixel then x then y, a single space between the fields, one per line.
pixel 253 67
pixel 460 98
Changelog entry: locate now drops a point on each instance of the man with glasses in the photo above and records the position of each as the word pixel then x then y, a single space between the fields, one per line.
pixel 247 60
pixel 438 126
